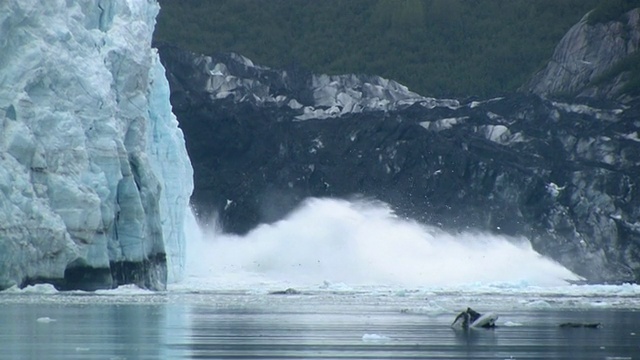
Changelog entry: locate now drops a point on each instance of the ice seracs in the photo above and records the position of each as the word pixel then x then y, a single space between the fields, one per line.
pixel 92 165
pixel 234 77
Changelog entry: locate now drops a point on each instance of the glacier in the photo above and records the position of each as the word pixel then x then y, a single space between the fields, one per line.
pixel 307 96
pixel 95 179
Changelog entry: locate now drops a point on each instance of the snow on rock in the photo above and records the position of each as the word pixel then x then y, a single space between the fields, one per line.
pixel 94 177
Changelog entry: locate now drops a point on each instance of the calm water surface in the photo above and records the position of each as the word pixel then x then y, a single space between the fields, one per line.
pixel 309 326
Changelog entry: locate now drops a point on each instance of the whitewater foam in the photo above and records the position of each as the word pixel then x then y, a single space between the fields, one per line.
pixel 335 250
pixel 363 244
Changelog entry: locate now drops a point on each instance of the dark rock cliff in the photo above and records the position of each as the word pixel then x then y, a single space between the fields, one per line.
pixel 563 175
pixel 587 60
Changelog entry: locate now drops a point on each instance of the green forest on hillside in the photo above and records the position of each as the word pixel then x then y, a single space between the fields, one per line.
pixel 435 47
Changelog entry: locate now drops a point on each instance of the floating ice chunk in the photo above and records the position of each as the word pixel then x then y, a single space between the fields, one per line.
pixel 34 289
pixel 375 338
pixel 511 324
pixel 599 303
pixel 538 304
pixel 125 290
pixel 335 286
pixel 45 320
pixel 432 308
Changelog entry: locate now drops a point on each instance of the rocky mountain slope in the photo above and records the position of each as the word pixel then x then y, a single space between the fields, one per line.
pixel 563 174
pixel 588 61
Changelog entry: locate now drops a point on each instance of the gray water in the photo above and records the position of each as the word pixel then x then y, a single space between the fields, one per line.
pixel 322 325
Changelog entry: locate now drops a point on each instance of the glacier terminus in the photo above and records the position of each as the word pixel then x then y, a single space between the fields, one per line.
pixel 94 175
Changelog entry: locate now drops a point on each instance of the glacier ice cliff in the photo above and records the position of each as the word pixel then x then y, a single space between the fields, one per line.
pixel 94 175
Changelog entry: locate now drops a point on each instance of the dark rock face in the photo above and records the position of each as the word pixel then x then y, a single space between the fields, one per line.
pixel 563 175
pixel 585 54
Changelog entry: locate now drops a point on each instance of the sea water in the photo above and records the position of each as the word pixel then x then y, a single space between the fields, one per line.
pixel 322 324
pixel 363 284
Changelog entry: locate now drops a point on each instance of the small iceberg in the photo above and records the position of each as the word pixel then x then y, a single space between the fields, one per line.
pixel 375 338
pixel 288 291
pixel 512 324
pixel 45 320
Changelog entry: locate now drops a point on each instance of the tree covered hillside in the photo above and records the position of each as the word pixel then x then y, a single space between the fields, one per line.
pixel 436 47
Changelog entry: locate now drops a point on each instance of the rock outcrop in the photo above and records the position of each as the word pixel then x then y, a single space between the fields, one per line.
pixel 87 197
pixel 583 61
pixel 564 175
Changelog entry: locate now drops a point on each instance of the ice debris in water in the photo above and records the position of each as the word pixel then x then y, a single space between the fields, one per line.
pixel 32 289
pixel 125 290
pixel 45 320
pixel 512 324
pixel 375 338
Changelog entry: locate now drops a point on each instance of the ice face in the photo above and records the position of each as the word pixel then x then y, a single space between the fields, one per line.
pixel 92 163
pixel 170 160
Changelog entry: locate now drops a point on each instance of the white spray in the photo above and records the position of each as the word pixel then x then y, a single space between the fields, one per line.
pixel 361 244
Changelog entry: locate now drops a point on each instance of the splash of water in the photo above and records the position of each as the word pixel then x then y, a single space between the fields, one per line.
pixel 363 243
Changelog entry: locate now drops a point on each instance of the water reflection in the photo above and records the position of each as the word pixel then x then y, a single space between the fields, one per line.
pixel 476 337
pixel 307 333
pixel 258 327
pixel 87 331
